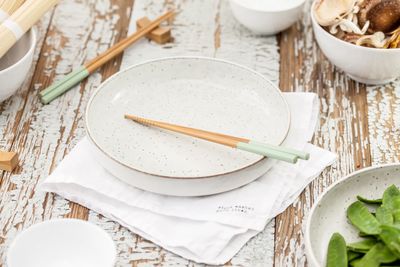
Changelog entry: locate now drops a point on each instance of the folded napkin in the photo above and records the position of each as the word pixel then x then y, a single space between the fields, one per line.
pixel 209 229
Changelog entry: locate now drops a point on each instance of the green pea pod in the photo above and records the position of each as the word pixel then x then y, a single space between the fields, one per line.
pixel 396 215
pixel 354 262
pixel 388 197
pixel 352 255
pixel 378 254
pixel 384 215
pixel 390 235
pixel 370 201
pixel 361 218
pixel 363 246
pixel 337 252
pixel 361 234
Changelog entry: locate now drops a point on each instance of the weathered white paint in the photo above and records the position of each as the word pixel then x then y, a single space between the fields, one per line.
pixel 44 134
pixel 340 130
pixel 384 113
pixel 83 28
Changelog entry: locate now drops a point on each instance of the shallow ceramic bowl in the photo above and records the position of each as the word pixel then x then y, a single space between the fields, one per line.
pixel 362 64
pixel 203 93
pixel 62 242
pixel 267 17
pixel 328 214
pixel 15 64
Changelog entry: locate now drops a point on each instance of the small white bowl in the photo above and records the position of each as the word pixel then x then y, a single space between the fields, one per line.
pixel 62 243
pixel 15 64
pixel 328 215
pixel 267 17
pixel 362 64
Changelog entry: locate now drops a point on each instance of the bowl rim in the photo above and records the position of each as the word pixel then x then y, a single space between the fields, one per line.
pixel 58 220
pixel 33 40
pixel 110 157
pixel 241 4
pixel 311 258
pixel 335 39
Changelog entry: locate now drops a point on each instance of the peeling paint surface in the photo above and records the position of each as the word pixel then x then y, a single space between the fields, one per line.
pixel 360 123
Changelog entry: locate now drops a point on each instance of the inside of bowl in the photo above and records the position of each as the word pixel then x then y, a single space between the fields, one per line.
pixel 330 214
pixel 19 50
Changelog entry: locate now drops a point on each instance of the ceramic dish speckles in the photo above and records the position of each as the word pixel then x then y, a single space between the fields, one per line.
pixel 328 214
pixel 203 93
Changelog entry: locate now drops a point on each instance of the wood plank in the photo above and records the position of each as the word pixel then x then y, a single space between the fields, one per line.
pixel 384 126
pixel 343 128
pixel 44 134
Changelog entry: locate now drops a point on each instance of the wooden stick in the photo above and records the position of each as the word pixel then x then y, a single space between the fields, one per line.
pixel 115 50
pixel 49 94
pixel 231 141
pixel 8 160
pixel 300 154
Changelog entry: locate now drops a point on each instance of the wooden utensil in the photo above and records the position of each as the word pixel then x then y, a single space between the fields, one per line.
pixel 8 7
pixel 271 151
pixel 58 88
pixel 8 160
pixel 21 21
pixel 160 35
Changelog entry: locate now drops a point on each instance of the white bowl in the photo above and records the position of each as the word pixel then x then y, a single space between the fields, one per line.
pixel 328 214
pixel 62 243
pixel 15 64
pixel 267 17
pixel 362 64
pixel 198 92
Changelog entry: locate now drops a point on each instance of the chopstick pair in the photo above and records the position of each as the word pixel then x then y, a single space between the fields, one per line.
pixel 267 150
pixel 73 78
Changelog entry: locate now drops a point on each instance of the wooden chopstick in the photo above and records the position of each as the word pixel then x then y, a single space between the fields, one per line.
pixel 277 152
pixel 60 87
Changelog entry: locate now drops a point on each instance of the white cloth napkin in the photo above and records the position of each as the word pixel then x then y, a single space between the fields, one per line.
pixel 208 229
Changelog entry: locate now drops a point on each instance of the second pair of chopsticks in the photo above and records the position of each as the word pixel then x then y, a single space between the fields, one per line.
pixel 271 151
pixel 60 87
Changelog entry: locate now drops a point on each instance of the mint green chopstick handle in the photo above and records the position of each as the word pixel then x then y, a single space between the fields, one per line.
pixel 300 154
pixel 64 86
pixel 270 153
pixel 62 81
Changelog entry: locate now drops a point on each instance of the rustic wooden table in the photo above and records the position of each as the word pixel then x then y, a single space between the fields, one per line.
pixel 361 123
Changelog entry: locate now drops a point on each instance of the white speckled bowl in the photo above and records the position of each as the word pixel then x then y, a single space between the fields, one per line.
pixel 328 214
pixel 267 17
pixel 362 64
pixel 15 64
pixel 203 93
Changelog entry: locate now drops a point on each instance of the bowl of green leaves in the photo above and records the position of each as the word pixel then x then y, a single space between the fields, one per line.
pixel 356 221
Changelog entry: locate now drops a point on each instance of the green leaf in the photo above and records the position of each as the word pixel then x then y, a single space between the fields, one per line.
pixel 390 235
pixel 378 254
pixel 362 246
pixel 361 218
pixel 389 196
pixel 337 252
pixel 384 215
pixel 352 255
pixel 369 201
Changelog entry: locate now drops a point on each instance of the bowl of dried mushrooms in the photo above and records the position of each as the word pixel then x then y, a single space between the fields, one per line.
pixel 361 37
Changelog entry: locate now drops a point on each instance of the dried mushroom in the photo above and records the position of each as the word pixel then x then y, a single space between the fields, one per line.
pixel 370 23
